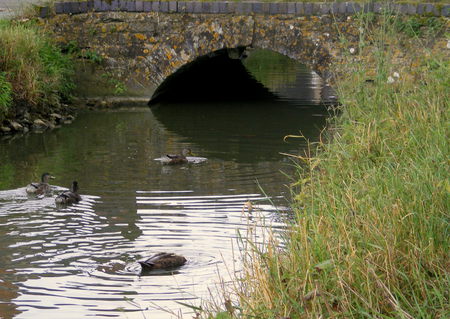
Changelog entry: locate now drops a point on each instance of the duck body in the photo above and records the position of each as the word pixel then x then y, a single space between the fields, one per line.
pixel 162 261
pixel 176 159
pixel 69 197
pixel 41 188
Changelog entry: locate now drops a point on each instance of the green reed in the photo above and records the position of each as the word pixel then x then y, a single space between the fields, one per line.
pixel 371 231
pixel 35 70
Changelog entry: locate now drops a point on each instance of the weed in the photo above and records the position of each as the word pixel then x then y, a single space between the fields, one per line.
pixel 118 86
pixel 5 95
pixel 92 56
pixel 39 73
pixel 370 237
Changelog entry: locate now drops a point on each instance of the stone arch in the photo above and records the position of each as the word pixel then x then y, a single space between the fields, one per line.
pixel 203 34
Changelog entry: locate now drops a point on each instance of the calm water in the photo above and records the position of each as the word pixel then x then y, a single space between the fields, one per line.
pixel 82 261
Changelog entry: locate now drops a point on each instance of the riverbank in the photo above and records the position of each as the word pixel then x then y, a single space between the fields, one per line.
pixel 370 237
pixel 35 79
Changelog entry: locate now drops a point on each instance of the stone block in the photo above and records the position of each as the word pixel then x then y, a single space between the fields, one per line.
pixel 156 6
pixel 368 7
pixel 222 7
pixel 411 9
pixel 105 6
pixel 257 7
pixel 420 8
pixel 316 9
pixel 206 7
pixel 123 5
pixel 173 6
pixel 83 7
pixel 139 6
pixel 273 8
pixel 59 7
pixel 325 8
pixel 231 7
pixel 182 7
pixel 308 9
pixel 198 8
pixel 164 6
pixel 247 7
pixel 74 7
pixel 44 12
pixel 282 8
pixel 238 8
pixel 445 10
pixel 377 7
pixel 114 6
pixel 148 6
pixel 342 8
pixel 334 9
pixel 431 9
pixel 131 6
pixel 189 7
pixel 402 9
pixel 300 8
pixel 90 5
pixel 291 8
pixel 353 7
pixel 214 7
pixel 66 7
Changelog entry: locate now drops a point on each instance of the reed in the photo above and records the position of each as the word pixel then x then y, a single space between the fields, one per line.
pixel 33 67
pixel 371 231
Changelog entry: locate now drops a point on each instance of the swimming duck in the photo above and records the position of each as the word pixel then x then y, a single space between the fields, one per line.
pixel 162 261
pixel 40 188
pixel 69 197
pixel 177 159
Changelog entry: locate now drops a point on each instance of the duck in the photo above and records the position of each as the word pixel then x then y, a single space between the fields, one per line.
pixel 40 188
pixel 162 261
pixel 69 197
pixel 177 159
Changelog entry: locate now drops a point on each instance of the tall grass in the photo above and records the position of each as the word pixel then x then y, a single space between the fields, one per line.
pixel 371 233
pixel 39 74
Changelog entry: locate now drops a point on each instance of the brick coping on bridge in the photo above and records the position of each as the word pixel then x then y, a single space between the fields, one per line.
pixel 225 7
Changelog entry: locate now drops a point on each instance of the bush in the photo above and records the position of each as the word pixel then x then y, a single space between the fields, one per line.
pixel 39 73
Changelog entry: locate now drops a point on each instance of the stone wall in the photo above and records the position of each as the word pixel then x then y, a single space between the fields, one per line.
pixel 143 48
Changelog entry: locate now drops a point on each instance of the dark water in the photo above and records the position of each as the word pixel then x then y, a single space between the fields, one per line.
pixel 82 261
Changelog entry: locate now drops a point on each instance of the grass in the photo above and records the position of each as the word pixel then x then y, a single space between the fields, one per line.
pixel 371 231
pixel 37 74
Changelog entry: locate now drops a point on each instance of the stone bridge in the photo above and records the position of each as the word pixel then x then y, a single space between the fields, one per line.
pixel 145 42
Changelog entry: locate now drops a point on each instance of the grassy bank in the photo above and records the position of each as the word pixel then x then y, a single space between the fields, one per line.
pixel 34 75
pixel 371 233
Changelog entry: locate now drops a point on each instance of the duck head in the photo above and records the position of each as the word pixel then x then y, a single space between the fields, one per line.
pixel 45 177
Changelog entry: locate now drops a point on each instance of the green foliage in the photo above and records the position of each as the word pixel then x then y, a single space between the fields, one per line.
pixel 418 26
pixel 39 73
pixel 5 95
pixel 71 47
pixel 118 86
pixel 92 56
pixel 370 238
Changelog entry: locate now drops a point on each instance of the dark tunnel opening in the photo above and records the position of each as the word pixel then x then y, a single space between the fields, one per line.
pixel 218 76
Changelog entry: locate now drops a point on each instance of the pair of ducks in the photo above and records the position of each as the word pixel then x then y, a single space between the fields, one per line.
pixel 43 187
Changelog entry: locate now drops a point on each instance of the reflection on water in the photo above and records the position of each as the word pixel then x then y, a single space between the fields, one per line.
pixel 82 260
